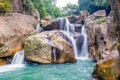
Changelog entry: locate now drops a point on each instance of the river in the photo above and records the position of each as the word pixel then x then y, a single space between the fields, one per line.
pixel 81 70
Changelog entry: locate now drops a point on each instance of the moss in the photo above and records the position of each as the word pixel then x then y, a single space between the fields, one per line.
pixel 5 6
pixel 100 20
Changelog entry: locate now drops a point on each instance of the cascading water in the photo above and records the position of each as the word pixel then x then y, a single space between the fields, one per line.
pixel 71 39
pixel 69 31
pixel 17 62
pixel 54 53
pixel 65 25
pixel 38 28
pixel 18 58
pixel 84 50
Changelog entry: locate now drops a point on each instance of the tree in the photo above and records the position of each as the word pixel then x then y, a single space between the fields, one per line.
pixel 29 5
pixel 72 9
pixel 40 6
pixel 54 2
pixel 5 6
pixel 94 5
pixel 45 7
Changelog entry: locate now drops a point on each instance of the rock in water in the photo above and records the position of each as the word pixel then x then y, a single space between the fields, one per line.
pixel 48 47
pixel 109 68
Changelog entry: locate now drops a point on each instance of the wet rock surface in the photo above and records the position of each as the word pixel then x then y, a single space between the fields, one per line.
pixel 108 69
pixel 99 32
pixel 49 47
pixel 104 45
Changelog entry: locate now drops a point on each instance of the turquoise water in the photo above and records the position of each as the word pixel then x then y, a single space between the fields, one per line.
pixel 81 70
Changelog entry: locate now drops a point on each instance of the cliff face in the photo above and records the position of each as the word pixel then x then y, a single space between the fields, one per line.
pixel 108 68
pixel 115 5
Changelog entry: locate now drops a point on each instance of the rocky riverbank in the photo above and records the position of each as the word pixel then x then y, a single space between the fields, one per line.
pixel 108 68
pixel 49 47
pixel 18 32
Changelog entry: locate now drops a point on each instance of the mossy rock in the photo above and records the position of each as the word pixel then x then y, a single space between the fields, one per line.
pixel 100 20
pixel 5 6
pixel 107 69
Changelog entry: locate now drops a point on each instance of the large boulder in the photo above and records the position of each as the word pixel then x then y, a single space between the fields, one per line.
pixel 108 69
pixel 49 47
pixel 96 15
pixel 101 35
pixel 50 25
pixel 100 13
pixel 96 36
pixel 14 28
pixel 56 23
pixel 76 19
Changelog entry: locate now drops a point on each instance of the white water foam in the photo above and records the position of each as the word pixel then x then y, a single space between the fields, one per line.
pixel 84 51
pixel 38 28
pixel 18 58
pixel 7 68
pixel 69 29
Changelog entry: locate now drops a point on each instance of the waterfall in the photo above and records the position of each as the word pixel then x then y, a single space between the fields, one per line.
pixel 54 54
pixel 69 31
pixel 38 28
pixel 18 58
pixel 65 25
pixel 71 39
pixel 17 63
pixel 84 49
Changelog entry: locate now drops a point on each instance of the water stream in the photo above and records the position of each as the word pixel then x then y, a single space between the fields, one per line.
pixel 38 28
pixel 81 70
pixel 18 58
pixel 84 50
pixel 69 29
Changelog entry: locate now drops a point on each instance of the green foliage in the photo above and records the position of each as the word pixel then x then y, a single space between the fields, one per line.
pixel 72 9
pixel 94 5
pixel 100 20
pixel 5 6
pixel 51 8
pixel 40 6
pixel 29 5
pixel 45 7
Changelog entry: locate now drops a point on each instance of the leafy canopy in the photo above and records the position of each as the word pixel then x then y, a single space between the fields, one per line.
pixel 72 9
pixel 45 7
pixel 94 5
pixel 4 6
